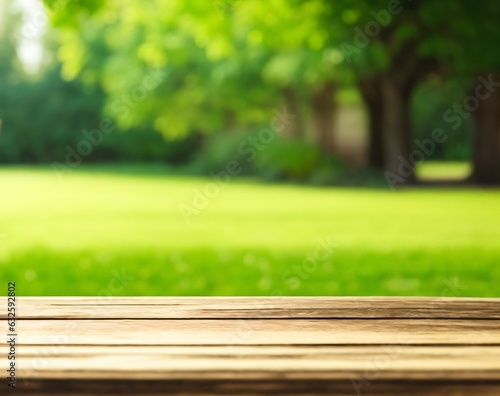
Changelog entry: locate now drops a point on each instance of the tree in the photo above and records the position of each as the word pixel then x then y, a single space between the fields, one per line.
pixel 481 36
pixel 486 144
pixel 464 46
pixel 210 59
pixel 390 63
pixel 301 59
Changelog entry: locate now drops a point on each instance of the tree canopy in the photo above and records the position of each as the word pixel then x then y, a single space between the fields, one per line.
pixel 212 60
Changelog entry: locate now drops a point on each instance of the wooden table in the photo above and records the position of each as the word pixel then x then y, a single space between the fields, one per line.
pixel 256 346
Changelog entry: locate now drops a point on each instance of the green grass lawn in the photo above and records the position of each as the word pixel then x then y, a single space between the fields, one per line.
pixel 118 230
pixel 429 170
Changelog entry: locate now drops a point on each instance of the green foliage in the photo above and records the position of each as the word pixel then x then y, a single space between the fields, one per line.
pixel 278 160
pixel 42 118
pixel 209 57
pixel 223 67
pixel 220 149
pixel 341 175
pixel 289 160
pixel 431 102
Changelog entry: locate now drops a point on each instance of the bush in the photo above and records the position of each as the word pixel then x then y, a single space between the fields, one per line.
pixel 146 144
pixel 289 160
pixel 220 149
pixel 278 160
pixel 36 130
pixel 349 177
pixel 431 102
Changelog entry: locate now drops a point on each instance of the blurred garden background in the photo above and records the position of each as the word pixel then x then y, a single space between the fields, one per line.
pixel 230 147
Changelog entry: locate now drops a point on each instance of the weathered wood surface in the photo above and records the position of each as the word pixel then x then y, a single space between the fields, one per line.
pixel 256 307
pixel 260 331
pixel 258 388
pixel 257 346
pixel 269 362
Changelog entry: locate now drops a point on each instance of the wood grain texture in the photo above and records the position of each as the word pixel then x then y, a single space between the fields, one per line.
pixel 256 388
pixel 257 346
pixel 396 362
pixel 254 307
pixel 259 332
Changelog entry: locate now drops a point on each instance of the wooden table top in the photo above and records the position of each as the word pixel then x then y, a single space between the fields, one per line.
pixel 256 345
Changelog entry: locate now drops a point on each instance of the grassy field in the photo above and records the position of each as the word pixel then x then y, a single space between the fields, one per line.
pixel 439 170
pixel 121 231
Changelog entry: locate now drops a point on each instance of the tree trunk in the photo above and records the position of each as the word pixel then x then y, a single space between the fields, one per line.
pixel 376 142
pixel 396 130
pixel 229 120
pixel 323 116
pixel 371 92
pixel 292 130
pixel 388 103
pixel 391 117
pixel 486 144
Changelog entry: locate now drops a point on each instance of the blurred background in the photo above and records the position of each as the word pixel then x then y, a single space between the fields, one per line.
pixel 228 147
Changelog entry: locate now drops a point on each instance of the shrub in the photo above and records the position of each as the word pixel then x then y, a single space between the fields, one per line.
pixel 219 149
pixel 289 160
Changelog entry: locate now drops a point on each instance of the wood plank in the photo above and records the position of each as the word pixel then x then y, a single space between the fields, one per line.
pixel 255 388
pixel 258 332
pixel 259 362
pixel 249 346
pixel 254 307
